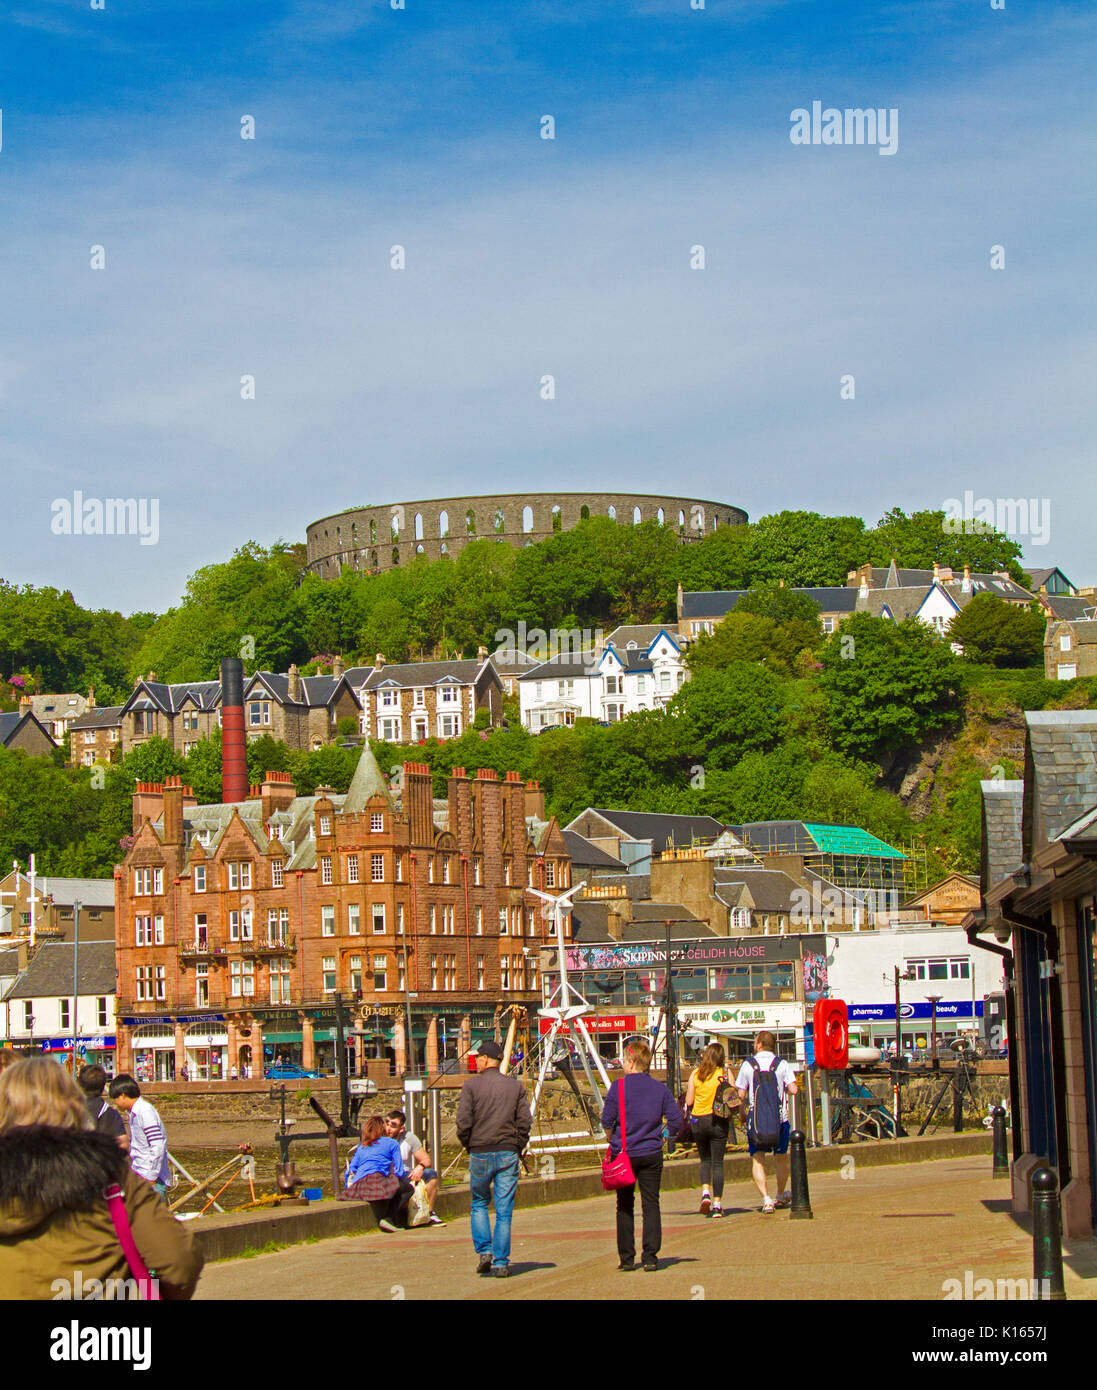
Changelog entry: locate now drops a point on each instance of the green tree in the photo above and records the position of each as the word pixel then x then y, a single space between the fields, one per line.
pixel 726 713
pixel 805 549
pixel 920 540
pixel 746 637
pixel 888 684
pixel 999 633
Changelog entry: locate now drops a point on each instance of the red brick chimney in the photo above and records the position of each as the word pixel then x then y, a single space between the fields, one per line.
pixel 277 793
pixel 172 833
pixel 535 800
pixel 148 801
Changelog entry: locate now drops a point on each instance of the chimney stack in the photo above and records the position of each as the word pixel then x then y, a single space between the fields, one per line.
pixel 293 684
pixel 379 659
pixel 234 757
pixel 337 667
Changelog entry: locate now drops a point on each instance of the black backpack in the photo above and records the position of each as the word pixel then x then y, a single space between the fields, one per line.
pixel 765 1110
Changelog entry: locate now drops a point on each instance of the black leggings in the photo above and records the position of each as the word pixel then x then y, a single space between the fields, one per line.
pixel 396 1208
pixel 711 1135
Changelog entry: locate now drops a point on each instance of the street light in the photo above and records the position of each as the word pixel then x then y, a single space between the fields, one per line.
pixel 75 985
pixel 896 1089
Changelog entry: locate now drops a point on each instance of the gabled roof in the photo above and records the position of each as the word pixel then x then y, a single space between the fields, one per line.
pixel 55 706
pixel 367 782
pixel 49 973
pixel 899 603
pixel 169 699
pixel 1041 577
pixel 660 829
pixel 584 855
pixel 1084 631
pixel 12 721
pixel 631 660
pixel 643 636
pixel 893 577
pixel 558 668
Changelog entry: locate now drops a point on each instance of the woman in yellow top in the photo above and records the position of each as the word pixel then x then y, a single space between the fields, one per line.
pixel 710 1132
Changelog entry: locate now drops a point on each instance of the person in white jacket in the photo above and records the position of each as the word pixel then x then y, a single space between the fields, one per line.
pixel 148 1142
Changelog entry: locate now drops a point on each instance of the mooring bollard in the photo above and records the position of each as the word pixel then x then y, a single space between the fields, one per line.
pixel 801 1200
pixel 1047 1241
pixel 1001 1157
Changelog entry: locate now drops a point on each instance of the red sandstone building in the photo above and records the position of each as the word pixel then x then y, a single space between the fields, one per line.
pixel 238 922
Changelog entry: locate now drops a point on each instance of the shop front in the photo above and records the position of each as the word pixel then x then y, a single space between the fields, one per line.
pixel 736 1027
pixel 93 1051
pixel 206 1047
pixel 610 1031
pixel 873 1025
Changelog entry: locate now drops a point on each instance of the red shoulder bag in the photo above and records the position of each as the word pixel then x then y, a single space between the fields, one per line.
pixel 617 1172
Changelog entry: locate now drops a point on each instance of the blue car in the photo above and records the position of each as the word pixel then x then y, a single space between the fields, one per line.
pixel 289 1073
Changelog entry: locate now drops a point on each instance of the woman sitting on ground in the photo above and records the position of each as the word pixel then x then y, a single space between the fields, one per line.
pixel 376 1174
pixel 54 1217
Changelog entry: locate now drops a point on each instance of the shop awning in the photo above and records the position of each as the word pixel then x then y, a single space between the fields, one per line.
pixel 281 1038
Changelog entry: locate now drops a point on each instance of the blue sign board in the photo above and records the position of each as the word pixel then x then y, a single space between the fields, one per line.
pixel 885 1013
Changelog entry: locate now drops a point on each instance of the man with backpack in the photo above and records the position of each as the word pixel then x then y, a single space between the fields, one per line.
pixel 765 1081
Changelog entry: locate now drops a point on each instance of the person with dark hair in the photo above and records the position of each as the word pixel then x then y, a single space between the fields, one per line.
pixel 8 1058
pixel 148 1142
pixel 766 1069
pixel 104 1118
pixel 416 1159
pixel 710 1131
pixel 59 1180
pixel 376 1174
pixel 647 1104
pixel 493 1124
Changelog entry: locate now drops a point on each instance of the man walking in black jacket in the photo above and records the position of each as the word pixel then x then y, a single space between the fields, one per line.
pixel 493 1124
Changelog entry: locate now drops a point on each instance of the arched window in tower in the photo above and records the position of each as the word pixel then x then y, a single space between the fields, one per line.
pixel 444 548
pixel 557 519
pixel 470 522
pixel 681 521
pixel 584 512
pixel 612 512
pixel 637 516
pixel 395 554
pixel 419 550
pixel 443 524
pixel 661 515
pixel 527 519
pixel 418 526
pixel 372 531
pixel 499 521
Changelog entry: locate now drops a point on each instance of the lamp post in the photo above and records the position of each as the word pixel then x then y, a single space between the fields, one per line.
pixel 935 1061
pixel 898 1060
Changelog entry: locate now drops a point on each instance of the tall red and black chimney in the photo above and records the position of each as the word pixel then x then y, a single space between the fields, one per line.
pixel 234 755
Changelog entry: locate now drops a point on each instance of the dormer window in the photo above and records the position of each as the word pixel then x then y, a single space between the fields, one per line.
pixel 376 821
pixel 325 825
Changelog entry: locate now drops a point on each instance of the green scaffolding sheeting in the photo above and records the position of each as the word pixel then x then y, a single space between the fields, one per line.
pixel 848 839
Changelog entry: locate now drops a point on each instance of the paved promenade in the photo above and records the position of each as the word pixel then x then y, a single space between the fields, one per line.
pixel 886 1232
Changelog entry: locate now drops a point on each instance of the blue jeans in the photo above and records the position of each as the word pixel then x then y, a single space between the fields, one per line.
pixel 493 1176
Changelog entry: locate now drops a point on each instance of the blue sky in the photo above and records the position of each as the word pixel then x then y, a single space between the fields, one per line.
pixel 270 257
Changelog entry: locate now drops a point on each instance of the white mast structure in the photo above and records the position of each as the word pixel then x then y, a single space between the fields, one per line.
pixel 33 897
pixel 566 1006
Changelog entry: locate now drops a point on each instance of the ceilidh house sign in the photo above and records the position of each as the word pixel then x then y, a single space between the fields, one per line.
pixel 727 951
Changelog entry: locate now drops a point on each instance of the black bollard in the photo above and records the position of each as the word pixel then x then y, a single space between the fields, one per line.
pixel 1047 1241
pixel 801 1200
pixel 1001 1157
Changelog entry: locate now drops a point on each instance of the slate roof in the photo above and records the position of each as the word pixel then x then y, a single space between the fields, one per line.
pixel 585 855
pixel 1085 633
pixel 170 698
pixel 1060 772
pixel 12 721
pixel 643 636
pixel 769 890
pixel 1040 577
pixel 894 577
pixel 715 603
pixel 56 706
pixel 91 892
pixel 589 924
pixel 316 691
pixel 898 603
pixel 631 659
pixel 1002 849
pixel 681 831
pixel 9 963
pixel 1066 607
pixel 558 668
pixel 422 673
pixel 49 974
pixel 101 717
